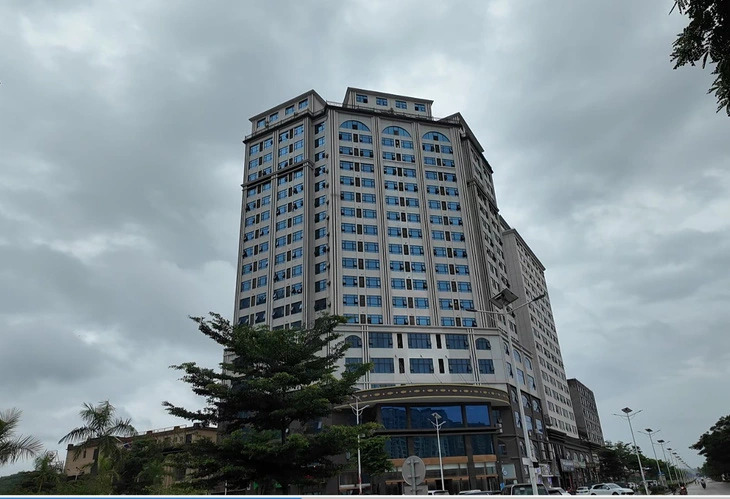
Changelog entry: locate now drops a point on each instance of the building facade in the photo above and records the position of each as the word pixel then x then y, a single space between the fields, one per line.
pixel 586 414
pixel 378 211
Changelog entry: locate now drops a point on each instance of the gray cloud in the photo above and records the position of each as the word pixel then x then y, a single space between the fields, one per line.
pixel 121 128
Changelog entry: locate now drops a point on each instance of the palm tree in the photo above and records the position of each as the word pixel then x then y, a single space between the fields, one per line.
pixel 101 429
pixel 14 447
pixel 48 469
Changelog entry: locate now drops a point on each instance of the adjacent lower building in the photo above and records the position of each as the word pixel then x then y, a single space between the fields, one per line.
pixel 82 459
pixel 375 210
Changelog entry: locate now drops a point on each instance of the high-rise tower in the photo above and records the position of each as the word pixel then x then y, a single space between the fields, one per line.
pixel 375 210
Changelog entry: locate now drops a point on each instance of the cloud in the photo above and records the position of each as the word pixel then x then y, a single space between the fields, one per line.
pixel 120 182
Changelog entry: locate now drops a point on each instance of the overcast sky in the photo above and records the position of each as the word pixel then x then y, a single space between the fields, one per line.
pixel 121 163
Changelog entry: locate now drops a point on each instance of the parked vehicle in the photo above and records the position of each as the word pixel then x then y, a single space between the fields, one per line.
pixel 438 493
pixel 472 493
pixel 558 491
pixel 610 489
pixel 524 489
pixel 582 491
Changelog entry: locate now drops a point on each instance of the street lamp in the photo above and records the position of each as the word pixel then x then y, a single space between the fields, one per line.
pixel 677 471
pixel 628 414
pixel 502 300
pixel 669 472
pixel 438 426
pixel 358 412
pixel 651 433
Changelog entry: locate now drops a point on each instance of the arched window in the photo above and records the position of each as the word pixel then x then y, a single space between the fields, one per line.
pixel 354 341
pixel 396 130
pixel 483 344
pixel 438 136
pixel 355 125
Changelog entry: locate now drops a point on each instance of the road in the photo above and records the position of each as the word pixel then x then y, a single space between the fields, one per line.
pixel 713 488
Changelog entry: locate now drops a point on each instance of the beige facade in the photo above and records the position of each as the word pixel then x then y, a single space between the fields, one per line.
pixel 81 458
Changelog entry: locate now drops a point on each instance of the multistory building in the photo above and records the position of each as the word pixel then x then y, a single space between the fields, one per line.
pixel 375 210
pixel 586 412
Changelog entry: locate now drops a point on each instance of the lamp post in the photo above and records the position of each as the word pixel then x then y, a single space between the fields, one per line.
pixel 438 426
pixel 358 412
pixel 503 300
pixel 651 433
pixel 669 472
pixel 628 414
pixel 677 471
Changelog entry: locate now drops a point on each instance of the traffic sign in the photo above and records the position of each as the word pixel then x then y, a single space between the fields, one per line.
pixel 414 470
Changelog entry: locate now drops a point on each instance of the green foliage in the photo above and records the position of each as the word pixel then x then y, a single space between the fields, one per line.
pixel 714 445
pixel 12 446
pixel 265 400
pixel 707 36
pixel 101 428
pixel 141 469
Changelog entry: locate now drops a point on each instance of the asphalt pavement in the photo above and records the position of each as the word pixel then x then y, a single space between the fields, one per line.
pixel 713 489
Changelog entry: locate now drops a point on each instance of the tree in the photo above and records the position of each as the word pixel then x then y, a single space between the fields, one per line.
pixel 612 468
pixel 14 447
pixel 266 400
pixel 707 36
pixel 141 469
pixel 101 429
pixel 48 472
pixel 714 445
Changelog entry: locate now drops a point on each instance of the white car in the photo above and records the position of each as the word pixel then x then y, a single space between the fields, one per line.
pixel 558 491
pixel 438 492
pixel 582 491
pixel 609 489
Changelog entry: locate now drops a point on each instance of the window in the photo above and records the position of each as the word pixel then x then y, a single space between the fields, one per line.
pixel 374 301
pixel 354 125
pixel 419 340
pixel 421 366
pixel 398 283
pixel 401 104
pixel 395 249
pixel 420 284
pixel 363 99
pixel 438 235
pixel 420 302
pixel 353 341
pixel 419 107
pixel 396 130
pixel 396 265
pixel 439 251
pixel 320 285
pixel 349 263
pixel 483 344
pixel 347 136
pixel 274 117
pixel 368 198
pixel 459 366
pixel 457 342
pixel 486 366
pixel 382 365
pixel 368 182
pixel 372 264
pixel 348 228
pixel 390 143
pixel 303 103
pixel 423 321
pixel 349 300
pixel 436 136
pixel 368 213
pixel 448 321
pixel 352 363
pixel 375 319
pixel 400 302
pixel 319 142
pixel 464 287
pixel 371 230
pixel 372 282
pixel 381 101
pixel 318 128
pixel 381 340
pixel 260 122
pixel 414 217
pixel 400 320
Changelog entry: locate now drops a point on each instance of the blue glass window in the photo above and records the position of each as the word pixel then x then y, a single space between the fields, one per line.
pixel 448 321
pixel 419 107
pixel 443 285
pixel 368 213
pixel 416 250
pixel 363 99
pixel 372 264
pixel 320 285
pixel 423 321
pixel 401 104
pixel 346 136
pixel 438 235
pixel 371 247
pixel 349 263
pixel 391 200
pixel 318 128
pixel 459 366
pixel 383 365
pixel 482 444
pixel 381 340
pixel 372 282
pixel 349 300
pixel 457 342
pixel 374 301
pixel 393 417
pixel 366 139
pixel 483 344
pixel 347 212
pixel 421 366
pixel 371 230
pixel 349 281
pixel 352 363
pixel 420 284
pixel 354 125
pixel 395 249
pixel 437 136
pixel 421 302
pixel 368 198
pixel 400 302
pixel 396 130
pixel 375 319
pixel 381 101
pixel 400 320
pixel 303 103
pixel 388 142
pixel 367 168
pixel 368 182
pixel 396 265
pixel 353 341
pixel 398 283
pixel 320 233
pixel 419 340
pixel 417 267
pixel 486 366
pixel 348 228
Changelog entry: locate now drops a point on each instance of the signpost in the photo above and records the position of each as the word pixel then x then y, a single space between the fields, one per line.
pixel 414 472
